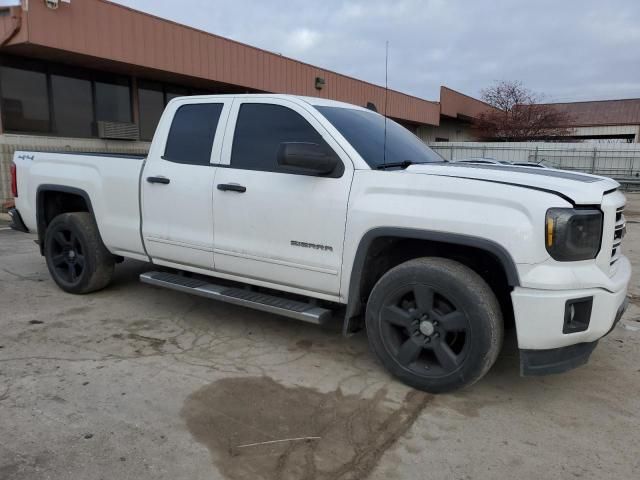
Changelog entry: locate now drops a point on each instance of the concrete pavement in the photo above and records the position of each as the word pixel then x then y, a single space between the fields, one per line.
pixel 136 382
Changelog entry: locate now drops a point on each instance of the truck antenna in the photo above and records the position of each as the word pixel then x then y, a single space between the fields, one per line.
pixel 386 95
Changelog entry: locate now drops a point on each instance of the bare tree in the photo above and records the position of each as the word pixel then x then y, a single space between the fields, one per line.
pixel 519 115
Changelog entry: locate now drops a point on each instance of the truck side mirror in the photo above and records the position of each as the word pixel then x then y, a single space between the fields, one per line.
pixel 306 158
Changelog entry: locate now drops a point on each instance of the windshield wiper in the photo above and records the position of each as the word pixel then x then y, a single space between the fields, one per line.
pixel 403 164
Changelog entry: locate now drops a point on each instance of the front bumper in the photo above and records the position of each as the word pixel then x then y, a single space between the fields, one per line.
pixel 540 314
pixel 16 221
pixel 559 360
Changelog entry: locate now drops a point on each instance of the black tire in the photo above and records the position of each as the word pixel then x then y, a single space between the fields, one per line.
pixel 434 324
pixel 76 258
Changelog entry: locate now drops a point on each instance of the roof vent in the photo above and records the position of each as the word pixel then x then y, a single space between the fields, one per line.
pixel 118 130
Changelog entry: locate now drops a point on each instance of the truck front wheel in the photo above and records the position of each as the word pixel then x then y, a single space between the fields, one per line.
pixel 76 258
pixel 435 324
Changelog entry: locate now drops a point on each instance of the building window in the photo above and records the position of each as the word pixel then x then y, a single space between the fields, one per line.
pixel 150 104
pixel 173 92
pixel 72 106
pixel 113 101
pixel 39 97
pixel 25 102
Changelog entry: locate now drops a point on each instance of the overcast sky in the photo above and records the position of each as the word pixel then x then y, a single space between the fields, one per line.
pixel 565 49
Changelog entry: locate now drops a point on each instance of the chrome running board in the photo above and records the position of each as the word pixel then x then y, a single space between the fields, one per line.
pixel 239 296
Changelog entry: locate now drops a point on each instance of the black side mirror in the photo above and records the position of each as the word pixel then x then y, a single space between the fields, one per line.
pixel 306 158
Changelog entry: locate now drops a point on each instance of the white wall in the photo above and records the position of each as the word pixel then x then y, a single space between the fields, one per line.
pixel 609 130
pixel 459 131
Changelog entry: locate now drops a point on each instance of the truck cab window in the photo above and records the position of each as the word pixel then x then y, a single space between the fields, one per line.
pixel 260 130
pixel 191 135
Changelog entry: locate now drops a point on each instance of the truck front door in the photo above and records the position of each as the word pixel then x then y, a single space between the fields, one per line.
pixel 270 224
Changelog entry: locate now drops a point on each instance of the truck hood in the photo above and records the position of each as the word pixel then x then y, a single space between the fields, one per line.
pixel 577 188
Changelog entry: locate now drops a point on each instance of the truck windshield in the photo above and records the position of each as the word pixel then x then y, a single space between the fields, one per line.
pixel 364 130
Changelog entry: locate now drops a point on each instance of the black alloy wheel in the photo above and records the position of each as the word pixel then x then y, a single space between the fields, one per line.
pixel 67 256
pixel 424 330
pixel 77 259
pixel 434 323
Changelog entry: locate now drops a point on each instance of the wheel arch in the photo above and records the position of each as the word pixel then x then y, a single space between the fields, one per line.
pixel 52 200
pixel 378 241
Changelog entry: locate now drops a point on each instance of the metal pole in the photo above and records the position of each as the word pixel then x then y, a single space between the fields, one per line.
pixel 593 159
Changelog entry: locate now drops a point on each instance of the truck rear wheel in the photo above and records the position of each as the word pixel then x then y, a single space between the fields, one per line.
pixel 76 258
pixel 434 324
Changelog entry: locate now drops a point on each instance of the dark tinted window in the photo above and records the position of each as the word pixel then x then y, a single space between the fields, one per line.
pixel 260 130
pixel 191 134
pixel 113 102
pixel 72 106
pixel 25 103
pixel 151 105
pixel 365 131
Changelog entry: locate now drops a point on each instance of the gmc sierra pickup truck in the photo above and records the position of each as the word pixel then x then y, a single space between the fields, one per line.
pixel 305 206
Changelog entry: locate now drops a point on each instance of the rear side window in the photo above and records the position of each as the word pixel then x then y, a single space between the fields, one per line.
pixel 191 135
pixel 260 130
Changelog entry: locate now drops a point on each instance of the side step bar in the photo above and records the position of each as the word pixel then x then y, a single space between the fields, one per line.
pixel 238 296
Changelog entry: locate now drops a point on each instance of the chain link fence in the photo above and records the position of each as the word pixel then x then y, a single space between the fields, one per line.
pixel 619 161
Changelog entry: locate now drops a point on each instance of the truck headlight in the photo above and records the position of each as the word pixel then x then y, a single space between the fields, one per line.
pixel 573 234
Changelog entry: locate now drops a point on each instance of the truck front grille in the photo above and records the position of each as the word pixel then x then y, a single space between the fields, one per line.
pixel 618 234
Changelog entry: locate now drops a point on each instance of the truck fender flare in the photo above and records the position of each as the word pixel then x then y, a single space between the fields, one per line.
pixel 354 305
pixel 40 216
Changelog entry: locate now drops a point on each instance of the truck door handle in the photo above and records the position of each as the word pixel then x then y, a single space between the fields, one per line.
pixel 231 187
pixel 162 180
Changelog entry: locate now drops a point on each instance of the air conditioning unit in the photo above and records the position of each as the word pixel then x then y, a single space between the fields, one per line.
pixel 118 130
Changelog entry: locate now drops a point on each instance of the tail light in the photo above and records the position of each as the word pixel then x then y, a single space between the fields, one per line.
pixel 14 181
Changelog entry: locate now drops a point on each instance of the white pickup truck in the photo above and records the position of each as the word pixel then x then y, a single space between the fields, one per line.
pixel 303 206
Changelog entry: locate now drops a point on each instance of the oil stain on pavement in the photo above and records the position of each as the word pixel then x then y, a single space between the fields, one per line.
pixel 256 428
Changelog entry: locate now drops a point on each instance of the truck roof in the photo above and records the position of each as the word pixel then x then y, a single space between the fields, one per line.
pixel 315 101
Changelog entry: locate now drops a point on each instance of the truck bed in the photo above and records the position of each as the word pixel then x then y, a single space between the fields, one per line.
pixel 110 183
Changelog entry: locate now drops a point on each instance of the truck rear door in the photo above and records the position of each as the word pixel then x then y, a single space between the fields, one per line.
pixel 177 183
